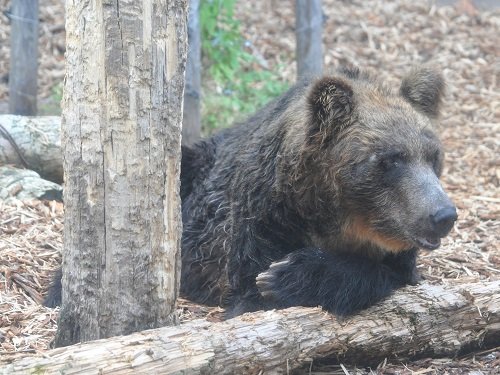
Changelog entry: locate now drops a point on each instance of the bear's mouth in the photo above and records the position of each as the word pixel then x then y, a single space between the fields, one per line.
pixel 428 243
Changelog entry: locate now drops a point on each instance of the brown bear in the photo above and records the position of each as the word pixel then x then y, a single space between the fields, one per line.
pixel 321 198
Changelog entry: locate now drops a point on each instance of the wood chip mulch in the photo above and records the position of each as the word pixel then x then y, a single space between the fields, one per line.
pixel 30 248
pixel 384 37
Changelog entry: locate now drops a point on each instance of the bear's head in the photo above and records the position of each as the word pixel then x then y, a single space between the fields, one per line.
pixel 377 154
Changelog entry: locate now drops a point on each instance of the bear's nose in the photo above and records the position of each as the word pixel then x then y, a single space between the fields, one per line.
pixel 443 220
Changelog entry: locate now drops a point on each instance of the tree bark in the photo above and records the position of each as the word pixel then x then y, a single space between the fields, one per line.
pixel 191 123
pixel 424 320
pixel 38 142
pixel 308 34
pixel 23 57
pixel 121 128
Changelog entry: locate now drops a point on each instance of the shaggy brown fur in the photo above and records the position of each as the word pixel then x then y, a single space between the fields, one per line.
pixel 327 182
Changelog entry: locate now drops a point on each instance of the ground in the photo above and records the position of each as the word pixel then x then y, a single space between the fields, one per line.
pixel 385 37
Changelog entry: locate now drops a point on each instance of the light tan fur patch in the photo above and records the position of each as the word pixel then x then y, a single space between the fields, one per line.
pixel 358 231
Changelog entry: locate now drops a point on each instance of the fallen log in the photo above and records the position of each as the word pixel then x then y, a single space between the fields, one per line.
pixel 33 143
pixel 24 184
pixel 423 320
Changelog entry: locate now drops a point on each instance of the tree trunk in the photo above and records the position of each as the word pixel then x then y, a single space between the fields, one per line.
pixel 191 124
pixel 424 320
pixel 23 57
pixel 35 143
pixel 308 33
pixel 122 113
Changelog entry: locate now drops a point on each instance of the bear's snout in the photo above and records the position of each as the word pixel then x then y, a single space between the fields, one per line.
pixel 437 225
pixel 443 220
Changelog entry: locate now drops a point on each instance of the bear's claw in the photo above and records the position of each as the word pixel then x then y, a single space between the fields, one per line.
pixel 267 281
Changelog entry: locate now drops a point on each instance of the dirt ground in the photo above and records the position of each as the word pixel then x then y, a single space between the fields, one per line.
pixel 383 37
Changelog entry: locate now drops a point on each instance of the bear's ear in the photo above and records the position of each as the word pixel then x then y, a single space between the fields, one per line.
pixel 331 102
pixel 423 88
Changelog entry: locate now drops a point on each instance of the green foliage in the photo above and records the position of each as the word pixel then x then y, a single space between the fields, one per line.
pixel 51 106
pixel 57 92
pixel 236 85
pixel 220 38
pixel 248 93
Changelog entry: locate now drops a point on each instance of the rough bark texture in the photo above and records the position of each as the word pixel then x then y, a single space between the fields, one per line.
pixel 24 184
pixel 424 320
pixel 38 140
pixel 191 123
pixel 308 33
pixel 122 113
pixel 23 57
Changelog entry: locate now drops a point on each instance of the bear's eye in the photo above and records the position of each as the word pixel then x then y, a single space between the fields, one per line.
pixel 392 161
pixel 436 162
